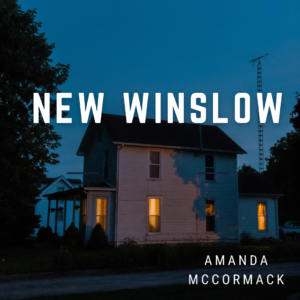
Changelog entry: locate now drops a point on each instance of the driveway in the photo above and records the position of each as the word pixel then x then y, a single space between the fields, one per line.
pixel 20 289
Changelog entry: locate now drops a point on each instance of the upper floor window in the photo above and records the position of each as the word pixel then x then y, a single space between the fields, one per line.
pixel 106 164
pixel 262 216
pixel 154 164
pixel 60 189
pixel 209 167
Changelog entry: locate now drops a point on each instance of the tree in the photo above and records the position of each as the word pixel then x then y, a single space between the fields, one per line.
pixel 295 114
pixel 247 168
pixel 283 169
pixel 26 148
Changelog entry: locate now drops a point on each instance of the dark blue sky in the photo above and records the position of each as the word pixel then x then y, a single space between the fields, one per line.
pixel 174 46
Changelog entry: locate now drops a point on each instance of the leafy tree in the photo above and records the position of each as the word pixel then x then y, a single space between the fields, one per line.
pixel 246 168
pixel 295 114
pixel 283 169
pixel 26 148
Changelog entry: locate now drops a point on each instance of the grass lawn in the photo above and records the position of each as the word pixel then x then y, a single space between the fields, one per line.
pixel 186 292
pixel 31 260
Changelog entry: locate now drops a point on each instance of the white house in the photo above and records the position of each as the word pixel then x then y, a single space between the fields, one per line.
pixel 170 183
pixel 63 216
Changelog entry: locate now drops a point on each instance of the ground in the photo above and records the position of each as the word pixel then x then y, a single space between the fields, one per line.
pixel 167 284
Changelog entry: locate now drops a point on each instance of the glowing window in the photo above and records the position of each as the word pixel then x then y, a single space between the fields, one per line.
pixel 101 212
pixel 262 216
pixel 154 215
pixel 210 215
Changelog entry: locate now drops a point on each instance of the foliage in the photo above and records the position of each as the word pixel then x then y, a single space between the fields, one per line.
pixel 295 114
pixel 45 235
pixel 246 168
pixel 283 170
pixel 26 148
pixel 72 237
pixel 98 240
pixel 134 257
pixel 247 239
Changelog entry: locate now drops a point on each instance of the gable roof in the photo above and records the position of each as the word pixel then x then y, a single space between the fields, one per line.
pixel 254 183
pixel 163 135
pixel 50 180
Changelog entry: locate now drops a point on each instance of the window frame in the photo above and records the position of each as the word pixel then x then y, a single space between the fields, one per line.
pixel 213 168
pixel 160 214
pixel 60 212
pixel 214 200
pixel 149 164
pixel 265 203
pixel 106 230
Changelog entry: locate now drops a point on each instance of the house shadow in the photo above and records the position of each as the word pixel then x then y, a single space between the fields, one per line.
pixel 187 167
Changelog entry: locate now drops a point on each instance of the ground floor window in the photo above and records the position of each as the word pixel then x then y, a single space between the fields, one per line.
pixel 60 212
pixel 262 216
pixel 101 212
pixel 154 215
pixel 210 215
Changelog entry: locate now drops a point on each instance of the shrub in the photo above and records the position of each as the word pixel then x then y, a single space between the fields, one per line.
pixel 45 235
pixel 98 240
pixel 73 237
pixel 246 239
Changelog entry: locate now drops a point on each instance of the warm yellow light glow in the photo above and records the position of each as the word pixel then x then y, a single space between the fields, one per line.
pixel 154 215
pixel 262 219
pixel 101 212
pixel 210 209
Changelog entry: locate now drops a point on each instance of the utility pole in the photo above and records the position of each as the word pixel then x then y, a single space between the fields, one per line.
pixel 261 159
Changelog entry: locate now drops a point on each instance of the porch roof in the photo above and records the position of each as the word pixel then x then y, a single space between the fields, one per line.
pixel 68 194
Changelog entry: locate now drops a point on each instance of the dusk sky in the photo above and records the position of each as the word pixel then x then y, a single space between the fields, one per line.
pixel 173 46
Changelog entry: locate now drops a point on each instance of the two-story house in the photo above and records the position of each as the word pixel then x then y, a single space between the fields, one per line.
pixel 171 183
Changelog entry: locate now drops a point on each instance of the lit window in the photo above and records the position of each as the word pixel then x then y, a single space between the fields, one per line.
pixel 154 215
pixel 209 167
pixel 101 212
pixel 154 164
pixel 106 164
pixel 210 215
pixel 262 216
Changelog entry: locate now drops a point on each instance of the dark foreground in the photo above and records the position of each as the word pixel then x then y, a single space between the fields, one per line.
pixel 209 292
pixel 161 285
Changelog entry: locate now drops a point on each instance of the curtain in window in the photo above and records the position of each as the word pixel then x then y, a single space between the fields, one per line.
pixel 154 215
pixel 262 216
pixel 101 212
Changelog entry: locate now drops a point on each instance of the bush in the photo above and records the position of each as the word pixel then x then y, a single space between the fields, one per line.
pixel 247 239
pixel 72 237
pixel 45 235
pixel 98 240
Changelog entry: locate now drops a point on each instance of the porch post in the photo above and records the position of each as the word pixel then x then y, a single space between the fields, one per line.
pixel 56 216
pixel 65 215
pixel 74 203
pixel 48 214
pixel 80 214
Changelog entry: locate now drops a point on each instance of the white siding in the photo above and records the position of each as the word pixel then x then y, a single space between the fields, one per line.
pixel 248 219
pixel 42 209
pixel 183 192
